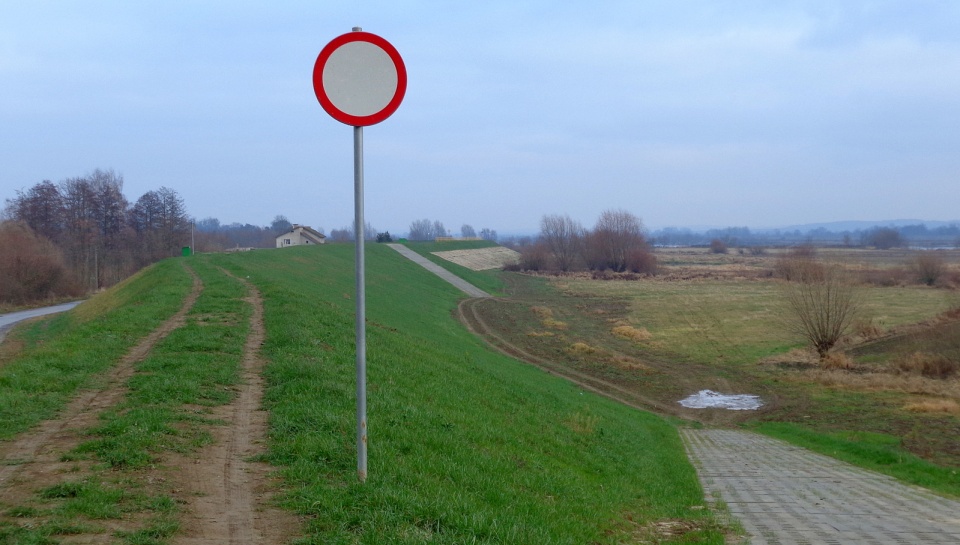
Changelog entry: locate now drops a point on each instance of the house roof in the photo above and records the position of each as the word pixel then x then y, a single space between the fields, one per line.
pixel 311 234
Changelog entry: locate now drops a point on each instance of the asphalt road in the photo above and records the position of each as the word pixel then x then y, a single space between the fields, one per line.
pixel 7 320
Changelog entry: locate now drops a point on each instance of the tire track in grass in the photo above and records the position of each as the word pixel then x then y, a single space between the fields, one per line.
pixel 474 323
pixel 33 457
pixel 229 493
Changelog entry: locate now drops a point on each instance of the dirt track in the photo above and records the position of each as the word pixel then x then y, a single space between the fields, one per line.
pixel 228 493
pixel 226 496
pixel 33 458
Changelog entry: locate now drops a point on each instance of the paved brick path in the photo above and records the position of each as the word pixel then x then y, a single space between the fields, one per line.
pixel 783 494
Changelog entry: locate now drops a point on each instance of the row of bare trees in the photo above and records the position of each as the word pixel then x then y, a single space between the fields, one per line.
pixel 98 236
pixel 617 242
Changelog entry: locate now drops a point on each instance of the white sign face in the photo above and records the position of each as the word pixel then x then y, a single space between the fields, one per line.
pixel 360 78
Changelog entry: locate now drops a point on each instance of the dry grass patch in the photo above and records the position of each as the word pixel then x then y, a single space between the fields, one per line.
pixel 541 334
pixel 933 406
pixel 926 364
pixel 631 333
pixel 581 348
pixel 630 364
pixel 881 382
pixel 547 319
pixel 838 361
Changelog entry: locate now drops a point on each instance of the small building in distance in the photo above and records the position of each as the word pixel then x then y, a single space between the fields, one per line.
pixel 300 235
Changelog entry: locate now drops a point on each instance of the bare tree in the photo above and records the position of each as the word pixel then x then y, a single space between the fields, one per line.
pixel 439 230
pixel 40 208
pixel 420 230
pixel 280 225
pixel 341 235
pixel 615 239
pixel 160 220
pixel 563 237
pixel 822 303
pixel 467 231
pixel 488 234
pixel 426 230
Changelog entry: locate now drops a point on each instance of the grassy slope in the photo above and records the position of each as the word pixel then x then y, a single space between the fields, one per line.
pixel 488 281
pixel 192 368
pixel 466 446
pixel 60 358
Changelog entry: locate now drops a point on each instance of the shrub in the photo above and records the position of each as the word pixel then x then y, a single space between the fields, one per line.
pixel 31 267
pixel 794 268
pixel 534 257
pixel 928 267
pixel 883 238
pixel 798 264
pixel 718 246
pixel 927 364
pixel 642 261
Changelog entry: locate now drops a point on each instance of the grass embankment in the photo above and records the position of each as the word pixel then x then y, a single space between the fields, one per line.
pixel 466 446
pixel 488 281
pixel 186 373
pixel 64 353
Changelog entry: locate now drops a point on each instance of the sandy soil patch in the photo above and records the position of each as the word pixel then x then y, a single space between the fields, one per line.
pixel 481 259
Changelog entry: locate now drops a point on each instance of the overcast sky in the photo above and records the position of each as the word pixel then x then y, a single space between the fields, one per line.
pixel 756 113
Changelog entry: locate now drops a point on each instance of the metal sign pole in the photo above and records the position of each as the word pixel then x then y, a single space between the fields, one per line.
pixel 361 325
pixel 360 80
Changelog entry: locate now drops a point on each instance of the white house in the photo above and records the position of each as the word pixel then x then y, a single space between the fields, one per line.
pixel 300 235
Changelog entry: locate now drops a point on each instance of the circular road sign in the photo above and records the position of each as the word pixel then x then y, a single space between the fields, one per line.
pixel 359 79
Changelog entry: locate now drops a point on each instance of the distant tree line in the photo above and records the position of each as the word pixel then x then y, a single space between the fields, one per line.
pixel 212 236
pixel 83 234
pixel 425 229
pixel 876 237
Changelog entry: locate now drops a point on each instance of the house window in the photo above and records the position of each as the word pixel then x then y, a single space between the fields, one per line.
pixel 286 241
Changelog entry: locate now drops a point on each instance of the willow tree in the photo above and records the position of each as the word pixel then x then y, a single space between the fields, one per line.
pixel 823 302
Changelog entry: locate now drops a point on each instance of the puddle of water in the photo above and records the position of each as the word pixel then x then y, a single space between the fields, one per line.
pixel 708 399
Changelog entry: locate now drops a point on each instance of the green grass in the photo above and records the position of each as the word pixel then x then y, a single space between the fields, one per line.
pixel 67 352
pixel 466 446
pixel 194 365
pixel 876 451
pixel 738 321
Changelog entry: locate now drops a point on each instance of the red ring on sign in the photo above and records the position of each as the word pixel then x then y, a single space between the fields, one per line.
pixel 340 115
